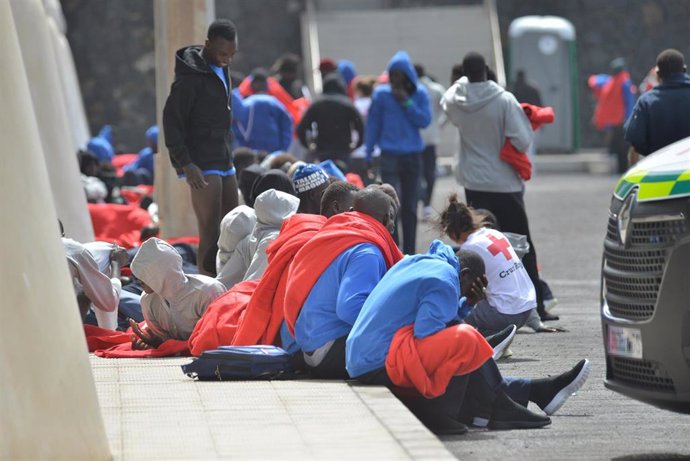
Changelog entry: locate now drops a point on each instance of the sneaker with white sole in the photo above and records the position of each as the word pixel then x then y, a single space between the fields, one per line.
pixel 566 385
pixel 502 340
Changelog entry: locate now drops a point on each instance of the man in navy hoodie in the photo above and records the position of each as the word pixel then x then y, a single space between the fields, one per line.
pixel 662 115
pixel 399 110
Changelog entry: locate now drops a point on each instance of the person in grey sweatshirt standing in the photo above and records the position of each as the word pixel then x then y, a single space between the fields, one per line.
pixel 486 115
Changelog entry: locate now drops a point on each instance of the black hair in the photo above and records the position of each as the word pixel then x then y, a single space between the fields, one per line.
pixel 282 162
pixel 222 28
pixel 488 219
pixel 259 74
pixel 670 61
pixel 339 191
pixel 372 201
pixel 288 62
pixel 456 72
pixel 420 70
pixel 471 261
pixel 474 67
pixel 365 85
pixel 87 159
pixel 272 179
pixel 242 157
pixel 457 218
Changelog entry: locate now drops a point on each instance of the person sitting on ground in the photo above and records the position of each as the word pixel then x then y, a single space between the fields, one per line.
pixel 95 189
pixel 140 171
pixel 246 182
pixel 93 286
pixel 172 301
pixel 337 198
pixel 261 121
pixel 234 227
pixel 407 337
pixel 243 157
pixel 271 179
pixel 510 294
pixel 310 182
pixel 249 259
pixel 332 275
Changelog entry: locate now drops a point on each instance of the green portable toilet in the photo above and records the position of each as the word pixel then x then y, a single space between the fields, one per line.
pixel 544 47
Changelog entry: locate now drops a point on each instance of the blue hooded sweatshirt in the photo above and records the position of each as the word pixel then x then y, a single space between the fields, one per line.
pixel 260 122
pixel 393 125
pixel 423 290
pixel 335 300
pixel 661 115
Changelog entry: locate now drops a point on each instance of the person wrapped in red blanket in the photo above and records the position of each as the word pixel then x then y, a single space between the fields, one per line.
pixel 407 337
pixel 537 116
pixel 332 275
pixel 252 311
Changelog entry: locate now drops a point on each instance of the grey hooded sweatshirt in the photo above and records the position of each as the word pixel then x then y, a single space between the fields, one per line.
pixel 249 260
pixel 179 300
pixel 486 115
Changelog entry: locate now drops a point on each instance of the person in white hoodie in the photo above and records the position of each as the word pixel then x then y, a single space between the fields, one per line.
pixel 172 302
pixel 486 115
pixel 234 227
pixel 249 260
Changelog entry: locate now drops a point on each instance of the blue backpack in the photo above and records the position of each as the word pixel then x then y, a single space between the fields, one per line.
pixel 239 363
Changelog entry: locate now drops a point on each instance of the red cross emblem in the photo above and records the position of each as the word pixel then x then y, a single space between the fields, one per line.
pixel 499 245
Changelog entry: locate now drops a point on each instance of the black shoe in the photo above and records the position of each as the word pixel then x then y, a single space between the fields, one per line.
pixel 501 340
pixel 507 414
pixel 551 394
pixel 546 317
pixel 446 426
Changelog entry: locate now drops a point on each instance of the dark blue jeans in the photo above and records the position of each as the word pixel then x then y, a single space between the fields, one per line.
pixel 403 172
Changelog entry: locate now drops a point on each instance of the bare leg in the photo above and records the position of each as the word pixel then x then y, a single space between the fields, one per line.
pixel 207 204
pixel 230 195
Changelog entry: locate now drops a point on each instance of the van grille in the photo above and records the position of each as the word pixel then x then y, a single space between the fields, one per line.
pixel 634 278
pixel 641 373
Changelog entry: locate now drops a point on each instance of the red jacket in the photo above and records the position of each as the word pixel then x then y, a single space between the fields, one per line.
pixel 340 232
pixel 537 116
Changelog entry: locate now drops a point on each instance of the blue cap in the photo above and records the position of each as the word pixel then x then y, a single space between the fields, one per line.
pixel 308 177
pixel 332 169
pixel 152 134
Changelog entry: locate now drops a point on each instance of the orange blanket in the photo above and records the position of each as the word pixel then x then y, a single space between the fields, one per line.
pixel 252 311
pixel 428 364
pixel 340 232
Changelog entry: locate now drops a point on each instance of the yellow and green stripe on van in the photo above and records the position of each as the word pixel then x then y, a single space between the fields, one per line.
pixel 652 185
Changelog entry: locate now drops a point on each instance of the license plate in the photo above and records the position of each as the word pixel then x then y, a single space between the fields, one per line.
pixel 625 342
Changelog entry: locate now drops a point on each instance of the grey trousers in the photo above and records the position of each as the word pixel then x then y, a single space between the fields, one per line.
pixel 487 320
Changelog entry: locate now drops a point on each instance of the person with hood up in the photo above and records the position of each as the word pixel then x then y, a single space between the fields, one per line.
pixel 196 123
pixel 399 110
pixel 248 260
pixel 234 227
pixel 348 72
pixel 327 127
pixel 172 302
pixel 486 116
pixel 261 121
pixel 407 337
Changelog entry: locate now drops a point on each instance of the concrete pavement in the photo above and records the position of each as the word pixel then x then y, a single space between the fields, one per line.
pixel 568 214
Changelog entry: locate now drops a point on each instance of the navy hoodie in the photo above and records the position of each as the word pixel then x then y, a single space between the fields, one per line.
pixel 395 126
pixel 661 116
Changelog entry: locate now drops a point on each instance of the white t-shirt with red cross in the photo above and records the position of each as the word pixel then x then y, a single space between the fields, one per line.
pixel 510 290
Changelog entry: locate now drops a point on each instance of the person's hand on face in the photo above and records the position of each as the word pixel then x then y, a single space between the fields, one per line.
pixel 195 177
pixel 400 94
pixel 477 290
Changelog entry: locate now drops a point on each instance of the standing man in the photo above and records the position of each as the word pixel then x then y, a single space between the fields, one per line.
pixel 615 96
pixel 399 110
pixel 196 123
pixel 431 137
pixel 661 115
pixel 486 115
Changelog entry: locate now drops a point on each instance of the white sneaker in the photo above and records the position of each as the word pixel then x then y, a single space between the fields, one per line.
pixel 550 304
pixel 427 213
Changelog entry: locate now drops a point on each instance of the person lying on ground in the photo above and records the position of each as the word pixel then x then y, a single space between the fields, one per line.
pixel 172 301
